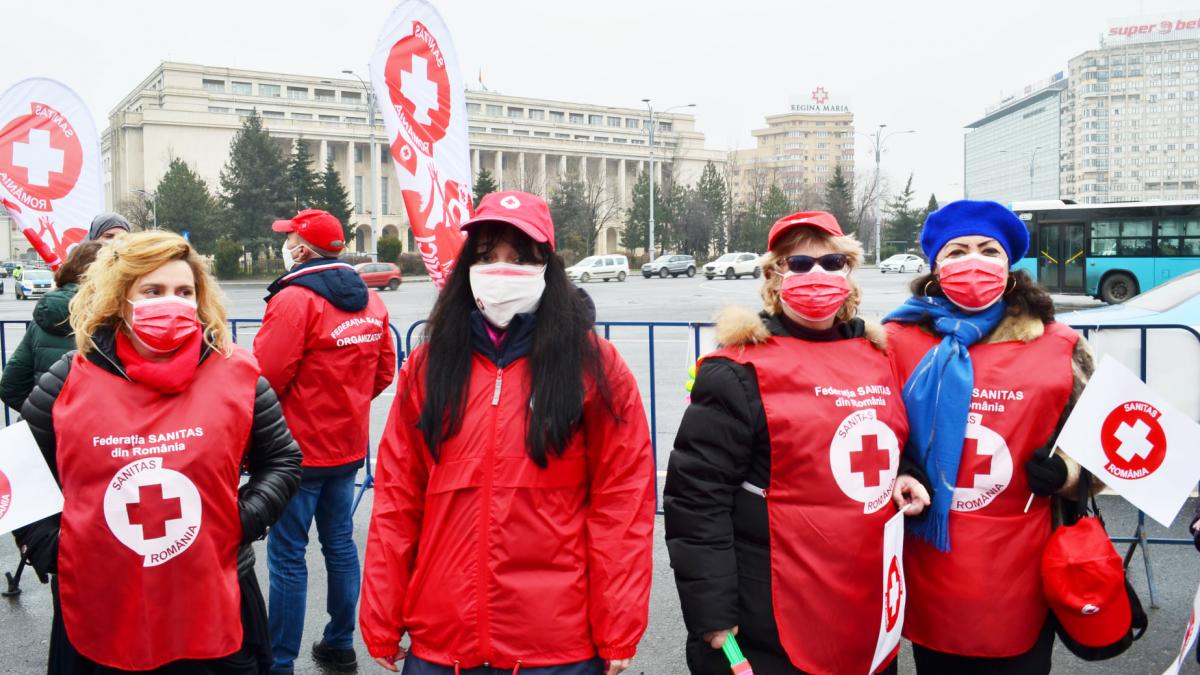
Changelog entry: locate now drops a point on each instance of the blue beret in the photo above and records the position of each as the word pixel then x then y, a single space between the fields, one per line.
pixel 965 218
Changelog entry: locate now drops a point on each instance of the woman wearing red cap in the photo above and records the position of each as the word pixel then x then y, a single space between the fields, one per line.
pixel 989 378
pixel 786 467
pixel 514 502
pixel 148 427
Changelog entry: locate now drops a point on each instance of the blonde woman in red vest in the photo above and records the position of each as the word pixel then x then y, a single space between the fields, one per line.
pixel 786 466
pixel 147 428
pixel 988 379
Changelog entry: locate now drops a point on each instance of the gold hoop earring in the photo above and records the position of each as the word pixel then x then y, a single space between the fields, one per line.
pixel 1007 289
pixel 926 291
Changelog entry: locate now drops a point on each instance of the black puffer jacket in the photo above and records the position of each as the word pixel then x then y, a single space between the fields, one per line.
pixel 272 459
pixel 717 532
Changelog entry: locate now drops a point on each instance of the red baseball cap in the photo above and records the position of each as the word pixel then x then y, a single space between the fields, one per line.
pixel 528 213
pixel 821 220
pixel 1083 579
pixel 319 228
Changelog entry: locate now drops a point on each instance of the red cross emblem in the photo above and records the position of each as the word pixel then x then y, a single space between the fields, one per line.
pixel 985 468
pixel 153 512
pixel 419 86
pixel 871 461
pixel 5 494
pixel 820 96
pixel 973 464
pixel 894 593
pixel 40 154
pixel 1133 440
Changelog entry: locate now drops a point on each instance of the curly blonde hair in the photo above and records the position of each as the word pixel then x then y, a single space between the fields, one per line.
pixel 100 301
pixel 773 275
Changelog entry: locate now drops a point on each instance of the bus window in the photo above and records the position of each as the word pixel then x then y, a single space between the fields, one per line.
pixel 1179 237
pixel 1126 238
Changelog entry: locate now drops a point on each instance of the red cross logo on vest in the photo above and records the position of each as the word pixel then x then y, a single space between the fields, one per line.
pixel 5 494
pixel 986 467
pixel 40 157
pixel 894 593
pixel 419 87
pixel 152 510
pixel 1133 440
pixel 864 457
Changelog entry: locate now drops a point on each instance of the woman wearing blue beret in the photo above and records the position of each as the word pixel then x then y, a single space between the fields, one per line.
pixel 989 378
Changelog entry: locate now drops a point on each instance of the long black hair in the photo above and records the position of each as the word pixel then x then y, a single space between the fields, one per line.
pixel 564 357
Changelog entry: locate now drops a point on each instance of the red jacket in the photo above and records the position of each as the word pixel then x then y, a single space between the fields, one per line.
pixel 326 365
pixel 482 557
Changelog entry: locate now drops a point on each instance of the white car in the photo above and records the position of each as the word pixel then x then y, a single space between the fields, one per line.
pixel 599 267
pixel 902 262
pixel 34 284
pixel 733 266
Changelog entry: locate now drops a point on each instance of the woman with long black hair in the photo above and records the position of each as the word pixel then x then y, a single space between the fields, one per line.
pixel 514 502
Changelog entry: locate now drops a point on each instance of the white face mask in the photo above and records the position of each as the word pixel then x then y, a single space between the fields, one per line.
pixel 504 290
pixel 288 261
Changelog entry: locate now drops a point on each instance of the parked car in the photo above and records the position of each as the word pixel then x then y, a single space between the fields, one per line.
pixel 733 266
pixel 902 262
pixel 670 265
pixel 599 267
pixel 34 284
pixel 379 275
pixel 1172 354
pixel 6 268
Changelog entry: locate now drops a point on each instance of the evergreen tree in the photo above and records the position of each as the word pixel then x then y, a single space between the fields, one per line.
pixel 774 207
pixel 839 198
pixel 254 188
pixel 334 198
pixel 484 184
pixel 185 205
pixel 931 207
pixel 711 189
pixel 304 185
pixel 637 216
pixel 567 210
pixel 903 224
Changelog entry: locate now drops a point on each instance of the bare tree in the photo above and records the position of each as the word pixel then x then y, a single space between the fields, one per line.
pixel 600 209
pixel 137 211
pixel 868 187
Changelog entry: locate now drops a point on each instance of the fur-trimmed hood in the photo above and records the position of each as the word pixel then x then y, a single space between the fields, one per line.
pixel 1020 328
pixel 741 327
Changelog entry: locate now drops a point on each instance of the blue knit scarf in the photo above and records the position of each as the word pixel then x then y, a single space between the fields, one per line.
pixel 938 398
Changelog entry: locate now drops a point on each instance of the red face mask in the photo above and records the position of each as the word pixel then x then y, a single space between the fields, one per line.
pixel 815 295
pixel 162 325
pixel 973 282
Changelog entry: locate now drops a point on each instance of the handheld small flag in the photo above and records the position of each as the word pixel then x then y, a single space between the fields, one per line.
pixel 737 662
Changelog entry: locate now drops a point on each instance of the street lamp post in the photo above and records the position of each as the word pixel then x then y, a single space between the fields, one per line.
pixel 1032 154
pixel 877 140
pixel 374 165
pixel 650 238
pixel 153 197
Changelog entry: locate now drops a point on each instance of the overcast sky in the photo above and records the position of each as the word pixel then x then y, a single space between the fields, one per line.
pixel 929 66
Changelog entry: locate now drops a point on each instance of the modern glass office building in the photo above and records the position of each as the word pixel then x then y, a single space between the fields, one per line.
pixel 1012 152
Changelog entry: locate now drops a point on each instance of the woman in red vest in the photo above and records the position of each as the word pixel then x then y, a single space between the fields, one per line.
pixel 147 428
pixel 514 496
pixel 786 467
pixel 988 379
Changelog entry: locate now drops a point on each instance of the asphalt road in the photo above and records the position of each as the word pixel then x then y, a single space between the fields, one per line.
pixel 24 621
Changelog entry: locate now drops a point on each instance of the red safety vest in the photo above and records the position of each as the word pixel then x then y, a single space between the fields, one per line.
pixel 837 428
pixel 984 597
pixel 147 557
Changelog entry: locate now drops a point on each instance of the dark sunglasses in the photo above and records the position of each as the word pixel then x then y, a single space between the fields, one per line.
pixel 830 262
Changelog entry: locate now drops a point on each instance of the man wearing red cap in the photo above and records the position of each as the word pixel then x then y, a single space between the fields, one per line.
pixel 321 324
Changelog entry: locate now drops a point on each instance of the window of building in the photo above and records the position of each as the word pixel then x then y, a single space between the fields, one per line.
pixel 576 118
pixel 383 195
pixel 499 131
pixel 580 137
pixel 614 121
pixel 352 97
pixel 520 132
pixel 274 114
pixel 245 112
pixel 1120 237
pixel 329 118
pixel 216 109
pixel 556 116
pixel 301 116
pixel 537 114
pixel 298 93
pixel 476 130
pixel 473 108
pixel 271 90
pixel 359 153
pixel 356 120
pixel 632 123
pixel 665 126
pixel 495 110
pixel 241 88
pixel 562 135
pixel 620 140
pixel 601 139
pixel 325 95
pixel 358 190
pixel 214 86
pixel 516 113
pixel 595 120
pixel 542 134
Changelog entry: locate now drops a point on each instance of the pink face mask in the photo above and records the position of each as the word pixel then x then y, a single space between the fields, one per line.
pixel 163 324
pixel 816 295
pixel 973 282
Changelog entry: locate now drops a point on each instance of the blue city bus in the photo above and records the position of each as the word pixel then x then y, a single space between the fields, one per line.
pixel 1109 251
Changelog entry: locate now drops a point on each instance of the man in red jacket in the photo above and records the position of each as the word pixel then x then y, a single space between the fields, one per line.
pixel 327 350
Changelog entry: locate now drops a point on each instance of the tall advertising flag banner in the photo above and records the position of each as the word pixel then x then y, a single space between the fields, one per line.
pixel 49 165
pixel 417 82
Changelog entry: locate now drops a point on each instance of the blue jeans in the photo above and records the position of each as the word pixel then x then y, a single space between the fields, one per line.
pixel 416 666
pixel 328 500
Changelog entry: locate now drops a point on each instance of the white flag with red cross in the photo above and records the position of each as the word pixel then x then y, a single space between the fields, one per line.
pixel 1133 440
pixel 895 594
pixel 28 492
pixel 415 75
pixel 49 165
pixel 1189 638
